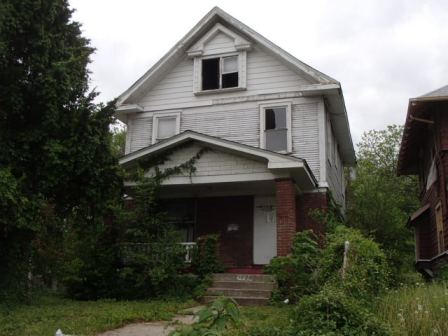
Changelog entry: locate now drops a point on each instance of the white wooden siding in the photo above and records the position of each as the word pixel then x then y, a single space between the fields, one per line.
pixel 140 133
pixel 335 176
pixel 240 122
pixel 214 162
pixel 218 44
pixel 235 122
pixel 305 134
pixel 265 74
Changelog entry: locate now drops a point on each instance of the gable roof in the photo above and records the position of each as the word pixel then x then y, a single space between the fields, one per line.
pixel 419 108
pixel 321 83
pixel 274 160
pixel 217 15
pixel 439 94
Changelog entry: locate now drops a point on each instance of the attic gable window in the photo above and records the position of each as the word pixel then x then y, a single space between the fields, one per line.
pixel 275 127
pixel 220 73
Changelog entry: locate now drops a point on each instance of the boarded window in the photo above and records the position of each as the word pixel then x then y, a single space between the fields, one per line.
pixel 276 130
pixel 166 127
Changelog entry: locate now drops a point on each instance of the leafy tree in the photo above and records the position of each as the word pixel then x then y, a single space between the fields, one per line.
pixel 55 154
pixel 380 201
pixel 118 141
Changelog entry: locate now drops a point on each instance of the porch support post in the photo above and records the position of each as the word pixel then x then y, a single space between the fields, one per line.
pixel 286 215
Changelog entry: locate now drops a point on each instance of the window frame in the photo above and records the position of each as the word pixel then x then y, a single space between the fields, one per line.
pixel 278 104
pixel 155 123
pixel 197 75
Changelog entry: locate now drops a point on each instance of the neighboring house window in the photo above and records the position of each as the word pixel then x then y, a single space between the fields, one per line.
pixel 275 127
pixel 432 174
pixel 220 72
pixel 440 231
pixel 165 125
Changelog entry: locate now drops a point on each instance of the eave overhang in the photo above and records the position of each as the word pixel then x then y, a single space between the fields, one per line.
pixel 276 162
pixel 416 217
pixel 418 118
pixel 334 99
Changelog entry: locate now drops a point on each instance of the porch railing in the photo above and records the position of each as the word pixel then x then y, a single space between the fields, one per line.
pixel 128 249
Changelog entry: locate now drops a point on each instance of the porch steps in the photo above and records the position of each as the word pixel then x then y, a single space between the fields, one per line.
pixel 246 289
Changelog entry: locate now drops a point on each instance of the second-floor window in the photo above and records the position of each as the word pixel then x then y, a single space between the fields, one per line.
pixel 275 127
pixel 220 73
pixel 165 125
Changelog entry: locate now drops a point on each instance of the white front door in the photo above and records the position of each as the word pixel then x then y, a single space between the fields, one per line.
pixel 265 230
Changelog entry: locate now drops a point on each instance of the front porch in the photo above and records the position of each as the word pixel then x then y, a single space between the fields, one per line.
pixel 254 199
pixel 254 221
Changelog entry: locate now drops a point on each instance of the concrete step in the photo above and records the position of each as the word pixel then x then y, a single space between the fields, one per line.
pixel 243 277
pixel 244 285
pixel 243 301
pixel 233 293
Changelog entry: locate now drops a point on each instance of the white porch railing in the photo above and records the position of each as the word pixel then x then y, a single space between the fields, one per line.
pixel 188 251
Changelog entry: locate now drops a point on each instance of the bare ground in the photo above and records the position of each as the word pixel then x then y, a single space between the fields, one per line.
pixel 159 328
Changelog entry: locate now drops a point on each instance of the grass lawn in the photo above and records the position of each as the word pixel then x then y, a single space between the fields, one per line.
pixel 48 313
pixel 255 320
pixel 417 310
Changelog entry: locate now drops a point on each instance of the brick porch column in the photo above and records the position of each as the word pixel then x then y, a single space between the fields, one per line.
pixel 286 215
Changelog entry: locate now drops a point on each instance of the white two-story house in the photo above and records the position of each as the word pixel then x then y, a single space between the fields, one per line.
pixel 275 129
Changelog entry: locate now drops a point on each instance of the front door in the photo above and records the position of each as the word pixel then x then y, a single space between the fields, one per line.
pixel 265 230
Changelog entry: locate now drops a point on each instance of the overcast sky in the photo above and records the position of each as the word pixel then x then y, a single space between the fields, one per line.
pixel 382 51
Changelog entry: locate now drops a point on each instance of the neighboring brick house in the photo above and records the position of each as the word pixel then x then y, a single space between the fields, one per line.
pixel 276 129
pixel 424 152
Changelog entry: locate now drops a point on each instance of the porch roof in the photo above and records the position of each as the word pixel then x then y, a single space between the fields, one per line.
pixel 276 162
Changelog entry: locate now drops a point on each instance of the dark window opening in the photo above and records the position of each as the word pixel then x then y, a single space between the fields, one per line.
pixel 181 214
pixel 220 73
pixel 276 131
pixel 210 74
pixel 230 80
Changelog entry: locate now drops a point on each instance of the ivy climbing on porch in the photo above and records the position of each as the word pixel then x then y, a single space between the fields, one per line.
pixel 142 245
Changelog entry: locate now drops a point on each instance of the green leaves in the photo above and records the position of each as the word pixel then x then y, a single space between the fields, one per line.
pixel 296 273
pixel 214 319
pixel 380 201
pixel 55 141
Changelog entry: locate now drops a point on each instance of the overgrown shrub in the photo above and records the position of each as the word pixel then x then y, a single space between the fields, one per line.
pixel 296 273
pixel 214 319
pixel 367 274
pixel 205 259
pixel 333 312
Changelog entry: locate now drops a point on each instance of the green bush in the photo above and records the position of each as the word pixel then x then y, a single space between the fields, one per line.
pixel 332 312
pixel 205 259
pixel 367 274
pixel 296 273
pixel 214 319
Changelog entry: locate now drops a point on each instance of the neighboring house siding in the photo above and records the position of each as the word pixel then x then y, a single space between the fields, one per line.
pixel 265 74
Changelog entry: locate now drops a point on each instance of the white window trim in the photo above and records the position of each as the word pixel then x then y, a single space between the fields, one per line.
pixel 159 115
pixel 197 73
pixel 263 107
